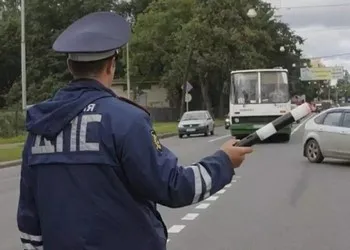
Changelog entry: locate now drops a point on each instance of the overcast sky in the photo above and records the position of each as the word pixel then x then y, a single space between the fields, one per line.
pixel 326 29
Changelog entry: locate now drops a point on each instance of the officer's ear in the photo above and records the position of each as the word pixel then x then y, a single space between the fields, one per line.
pixel 69 66
pixel 110 65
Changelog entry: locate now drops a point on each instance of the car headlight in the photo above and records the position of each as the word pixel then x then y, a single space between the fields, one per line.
pixel 236 120
pixel 227 120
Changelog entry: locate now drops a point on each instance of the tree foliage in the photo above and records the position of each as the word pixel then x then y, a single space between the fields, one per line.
pixel 173 41
pixel 220 37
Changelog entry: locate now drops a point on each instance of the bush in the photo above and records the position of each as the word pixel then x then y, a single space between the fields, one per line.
pixel 12 123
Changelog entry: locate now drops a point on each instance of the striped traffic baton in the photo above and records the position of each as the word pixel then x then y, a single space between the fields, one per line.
pixel 276 125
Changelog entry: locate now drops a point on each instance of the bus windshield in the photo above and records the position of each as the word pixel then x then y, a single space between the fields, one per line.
pixel 273 87
pixel 245 88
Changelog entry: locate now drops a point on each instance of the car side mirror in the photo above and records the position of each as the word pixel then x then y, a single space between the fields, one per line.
pixel 178 120
pixel 208 118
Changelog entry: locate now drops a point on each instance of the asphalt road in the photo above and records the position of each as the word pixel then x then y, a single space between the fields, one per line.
pixel 277 201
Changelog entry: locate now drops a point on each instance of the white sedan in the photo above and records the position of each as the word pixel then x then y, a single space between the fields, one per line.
pixel 327 135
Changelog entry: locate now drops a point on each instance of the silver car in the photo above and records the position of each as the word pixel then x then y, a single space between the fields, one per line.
pixel 327 135
pixel 196 122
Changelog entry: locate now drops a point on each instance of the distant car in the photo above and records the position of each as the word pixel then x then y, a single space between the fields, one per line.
pixel 327 135
pixel 196 122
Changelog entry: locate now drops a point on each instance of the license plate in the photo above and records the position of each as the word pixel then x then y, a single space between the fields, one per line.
pixel 258 126
pixel 190 129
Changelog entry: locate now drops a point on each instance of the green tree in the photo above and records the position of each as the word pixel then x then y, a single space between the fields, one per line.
pixel 45 20
pixel 10 60
pixel 215 37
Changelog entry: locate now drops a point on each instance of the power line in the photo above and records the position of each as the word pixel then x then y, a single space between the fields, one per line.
pixel 314 6
pixel 328 56
pixel 322 29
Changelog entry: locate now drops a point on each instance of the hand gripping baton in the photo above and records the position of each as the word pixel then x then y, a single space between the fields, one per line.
pixel 274 126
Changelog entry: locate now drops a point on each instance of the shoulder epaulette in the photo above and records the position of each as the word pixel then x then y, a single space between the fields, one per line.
pixel 134 104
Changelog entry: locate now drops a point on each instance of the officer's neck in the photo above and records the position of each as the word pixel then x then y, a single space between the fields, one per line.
pixel 101 79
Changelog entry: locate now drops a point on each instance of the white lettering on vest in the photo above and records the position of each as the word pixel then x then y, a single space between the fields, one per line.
pixel 50 147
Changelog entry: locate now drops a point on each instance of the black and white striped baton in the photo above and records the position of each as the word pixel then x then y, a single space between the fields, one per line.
pixel 274 126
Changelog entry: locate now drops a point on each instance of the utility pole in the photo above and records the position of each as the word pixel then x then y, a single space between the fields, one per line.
pixel 127 71
pixel 23 58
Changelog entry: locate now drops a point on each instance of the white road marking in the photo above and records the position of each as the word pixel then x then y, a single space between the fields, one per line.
pixel 219 138
pixel 176 229
pixel 190 216
pixel 193 216
pixel 167 240
pixel 302 124
pixel 212 198
pixel 221 191
pixel 233 181
pixel 203 206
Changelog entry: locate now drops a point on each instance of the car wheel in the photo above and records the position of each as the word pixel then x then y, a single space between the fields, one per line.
pixel 180 136
pixel 212 132
pixel 313 151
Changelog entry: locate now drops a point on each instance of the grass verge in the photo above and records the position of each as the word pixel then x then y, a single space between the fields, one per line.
pixel 11 153
pixel 10 150
pixel 17 139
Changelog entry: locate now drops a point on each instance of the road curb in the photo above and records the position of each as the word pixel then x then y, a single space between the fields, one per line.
pixel 7 164
pixel 163 136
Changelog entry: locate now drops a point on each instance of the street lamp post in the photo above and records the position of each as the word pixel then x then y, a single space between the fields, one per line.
pixel 127 71
pixel 23 58
pixel 128 64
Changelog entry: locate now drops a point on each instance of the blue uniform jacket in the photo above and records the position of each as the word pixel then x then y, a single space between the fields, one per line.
pixel 93 172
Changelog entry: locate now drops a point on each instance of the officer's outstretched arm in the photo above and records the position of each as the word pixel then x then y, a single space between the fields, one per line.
pixel 27 216
pixel 153 171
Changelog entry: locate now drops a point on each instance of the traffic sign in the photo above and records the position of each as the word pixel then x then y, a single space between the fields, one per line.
pixel 188 86
pixel 188 97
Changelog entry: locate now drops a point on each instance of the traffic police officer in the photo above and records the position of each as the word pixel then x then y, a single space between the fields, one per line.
pixel 93 169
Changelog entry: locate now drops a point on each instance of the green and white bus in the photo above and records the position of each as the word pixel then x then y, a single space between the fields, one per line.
pixel 258 96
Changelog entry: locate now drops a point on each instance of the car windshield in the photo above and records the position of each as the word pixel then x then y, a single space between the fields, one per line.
pixel 274 87
pixel 193 116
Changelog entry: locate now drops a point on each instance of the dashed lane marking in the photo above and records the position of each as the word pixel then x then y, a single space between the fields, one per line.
pixel 190 216
pixel 176 229
pixel 221 191
pixel 219 138
pixel 212 198
pixel 203 206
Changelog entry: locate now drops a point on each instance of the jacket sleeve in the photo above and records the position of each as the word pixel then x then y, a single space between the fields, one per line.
pixel 27 215
pixel 154 173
